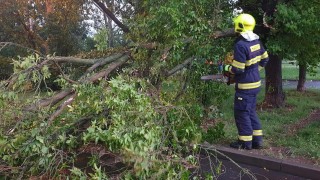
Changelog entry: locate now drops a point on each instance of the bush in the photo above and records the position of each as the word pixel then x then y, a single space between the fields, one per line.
pixel 6 68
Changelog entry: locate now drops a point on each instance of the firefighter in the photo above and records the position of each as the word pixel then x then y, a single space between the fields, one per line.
pixel 249 57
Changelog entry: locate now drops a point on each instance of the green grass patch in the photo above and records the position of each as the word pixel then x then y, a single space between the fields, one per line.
pixel 275 123
pixel 291 72
pixel 305 142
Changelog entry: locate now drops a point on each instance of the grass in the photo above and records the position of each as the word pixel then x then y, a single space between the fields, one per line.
pixel 291 72
pixel 275 123
pixel 306 142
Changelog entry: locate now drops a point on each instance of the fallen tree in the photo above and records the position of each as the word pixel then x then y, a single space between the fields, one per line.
pixel 117 60
pixel 86 109
pixel 142 104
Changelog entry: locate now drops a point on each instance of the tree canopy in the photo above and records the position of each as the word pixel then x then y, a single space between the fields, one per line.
pixel 296 31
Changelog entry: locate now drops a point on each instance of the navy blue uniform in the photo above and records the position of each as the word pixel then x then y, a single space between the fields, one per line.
pixel 248 56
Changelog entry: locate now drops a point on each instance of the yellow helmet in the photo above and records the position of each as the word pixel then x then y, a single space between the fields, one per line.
pixel 243 23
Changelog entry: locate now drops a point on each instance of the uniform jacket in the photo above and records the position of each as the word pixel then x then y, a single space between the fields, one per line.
pixel 249 54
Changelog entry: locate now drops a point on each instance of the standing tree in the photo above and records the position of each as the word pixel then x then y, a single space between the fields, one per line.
pixel 263 11
pixel 45 25
pixel 297 34
pixel 290 29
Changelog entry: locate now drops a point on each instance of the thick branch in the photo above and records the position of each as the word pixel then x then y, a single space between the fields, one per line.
pixel 154 45
pixel 103 62
pixel 70 59
pixel 62 107
pixel 96 63
pixel 61 95
pixel 224 33
pixel 106 72
pixel 217 34
pixel 151 46
pixel 180 66
pixel 50 101
pixel 61 59
pixel 112 16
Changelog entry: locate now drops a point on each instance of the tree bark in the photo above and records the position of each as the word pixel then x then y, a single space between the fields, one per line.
pixel 105 72
pixel 108 22
pixel 302 77
pixel 62 107
pixel 224 33
pixel 274 95
pixel 179 67
pixel 50 101
pixel 112 16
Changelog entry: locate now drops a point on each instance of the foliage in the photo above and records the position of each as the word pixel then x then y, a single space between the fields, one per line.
pixel 296 34
pixel 215 133
pixel 101 39
pixel 5 68
pixel 142 144
pixel 171 25
pixel 37 76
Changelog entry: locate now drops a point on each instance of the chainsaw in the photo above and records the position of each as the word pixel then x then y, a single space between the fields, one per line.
pixel 225 77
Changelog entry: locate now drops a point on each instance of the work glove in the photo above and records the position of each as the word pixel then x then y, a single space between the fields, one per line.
pixel 260 68
pixel 226 67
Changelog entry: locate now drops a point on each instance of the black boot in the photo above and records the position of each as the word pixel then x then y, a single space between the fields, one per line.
pixel 256 145
pixel 241 145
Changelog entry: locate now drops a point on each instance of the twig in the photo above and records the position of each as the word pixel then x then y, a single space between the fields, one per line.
pixel 4 44
pixel 63 75
pixel 246 171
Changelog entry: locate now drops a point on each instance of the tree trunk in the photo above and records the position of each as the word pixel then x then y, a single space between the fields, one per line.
pixel 110 34
pixel 49 7
pixel 274 95
pixel 109 13
pixel 302 77
pixel 109 26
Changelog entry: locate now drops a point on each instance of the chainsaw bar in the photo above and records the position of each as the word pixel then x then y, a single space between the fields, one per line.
pixel 215 77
